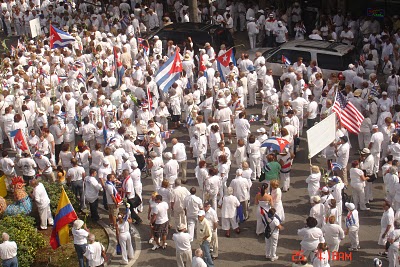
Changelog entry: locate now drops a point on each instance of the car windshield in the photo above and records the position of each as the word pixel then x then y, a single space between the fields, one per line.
pixel 270 52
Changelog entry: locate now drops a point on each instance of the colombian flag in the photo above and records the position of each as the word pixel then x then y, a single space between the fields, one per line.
pixel 65 215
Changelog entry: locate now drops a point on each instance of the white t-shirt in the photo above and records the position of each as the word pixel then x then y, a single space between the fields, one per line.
pixel 179 151
pixel 376 140
pixel 313 110
pixel 162 212
pixel 80 236
pixel 76 173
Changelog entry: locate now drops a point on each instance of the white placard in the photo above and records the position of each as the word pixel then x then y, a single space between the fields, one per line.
pixel 35 27
pixel 321 135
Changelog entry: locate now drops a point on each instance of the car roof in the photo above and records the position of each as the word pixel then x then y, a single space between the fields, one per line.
pixel 327 47
pixel 192 26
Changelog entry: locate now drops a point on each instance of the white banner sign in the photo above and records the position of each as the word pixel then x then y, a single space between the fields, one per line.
pixel 321 135
pixel 35 27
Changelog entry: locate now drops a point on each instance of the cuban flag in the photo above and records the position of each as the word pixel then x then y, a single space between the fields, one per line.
pixel 19 139
pixel 336 166
pixel 223 63
pixel 81 79
pixel 58 38
pixel 169 72
pixel 275 143
pixel 286 61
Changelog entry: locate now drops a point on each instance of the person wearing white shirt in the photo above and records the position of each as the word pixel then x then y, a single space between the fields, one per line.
pixel 171 168
pixel 28 166
pixel 80 240
pixel 179 154
pixel 349 75
pixel 192 204
pixel 44 167
pixel 94 252
pixel 131 196
pixel 312 112
pixel 333 234
pixel 317 210
pixel 281 33
pixel 313 181
pixel 271 243
pixel 241 190
pixel 92 189
pixel 183 247
pixel 311 237
pixel 352 226
pixel 253 149
pixel 197 260
pixel 8 251
pixel 179 194
pixel 242 127
pixel 229 204
pixel 160 220
pixel 39 195
pixel 394 239
pixel 375 146
pixel 347 36
pixel 212 218
pixel 387 223
pixel 75 176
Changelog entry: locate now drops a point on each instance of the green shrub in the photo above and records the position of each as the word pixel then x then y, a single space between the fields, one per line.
pixel 54 192
pixel 22 230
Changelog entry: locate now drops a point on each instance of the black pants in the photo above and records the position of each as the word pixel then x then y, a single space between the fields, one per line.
pixel 57 149
pixel 310 123
pixel 94 214
pixel 135 202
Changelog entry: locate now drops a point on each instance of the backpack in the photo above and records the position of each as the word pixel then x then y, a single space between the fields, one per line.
pixel 267 230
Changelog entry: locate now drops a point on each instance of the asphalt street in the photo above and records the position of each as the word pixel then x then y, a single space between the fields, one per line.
pixel 247 249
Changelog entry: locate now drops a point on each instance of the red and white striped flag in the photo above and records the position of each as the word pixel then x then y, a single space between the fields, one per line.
pixel 350 117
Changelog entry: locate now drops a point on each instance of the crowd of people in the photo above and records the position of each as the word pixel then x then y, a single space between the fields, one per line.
pixel 94 119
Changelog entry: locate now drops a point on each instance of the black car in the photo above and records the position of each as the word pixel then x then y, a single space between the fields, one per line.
pixel 200 33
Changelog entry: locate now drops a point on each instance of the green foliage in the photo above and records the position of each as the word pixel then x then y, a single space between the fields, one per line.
pixel 54 192
pixel 22 230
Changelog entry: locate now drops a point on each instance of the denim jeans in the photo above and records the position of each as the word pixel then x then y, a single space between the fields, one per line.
pixel 80 250
pixel 205 247
pixel 94 214
pixel 77 189
pixel 13 262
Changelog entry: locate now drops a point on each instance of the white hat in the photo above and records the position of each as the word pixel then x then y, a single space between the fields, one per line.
pixel 181 227
pixel 375 126
pixel 350 206
pixel 351 66
pixel 261 130
pixel 325 189
pixel 201 213
pixel 365 151
pixel 156 37
pixel 261 11
pixel 78 224
pixel 280 23
pixel 316 199
pixel 168 155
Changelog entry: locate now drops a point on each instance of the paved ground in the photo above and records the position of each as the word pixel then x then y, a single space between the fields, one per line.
pixel 247 249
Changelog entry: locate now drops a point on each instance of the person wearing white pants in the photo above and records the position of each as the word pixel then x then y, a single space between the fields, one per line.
pixel 394 239
pixel 156 164
pixel 352 226
pixel 252 30
pixel 253 149
pixel 229 204
pixel 192 205
pixel 39 195
pixel 137 183
pixel 333 234
pixel 251 85
pixel 357 183
pixel 271 243
pixel 367 165
pixel 124 237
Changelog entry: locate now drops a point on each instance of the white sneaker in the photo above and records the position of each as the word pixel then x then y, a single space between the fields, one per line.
pixel 155 247
pixel 151 240
pixel 275 258
pixel 262 119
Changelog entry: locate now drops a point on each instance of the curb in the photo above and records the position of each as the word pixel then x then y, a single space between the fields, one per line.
pixel 113 258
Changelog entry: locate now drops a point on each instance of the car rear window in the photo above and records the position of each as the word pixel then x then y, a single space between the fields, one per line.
pixel 335 62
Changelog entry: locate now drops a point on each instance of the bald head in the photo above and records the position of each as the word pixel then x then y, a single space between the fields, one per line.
pixel 174 141
pixel 5 236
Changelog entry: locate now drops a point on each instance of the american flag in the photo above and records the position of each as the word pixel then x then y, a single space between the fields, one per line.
pixel 347 113
pixel 167 134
